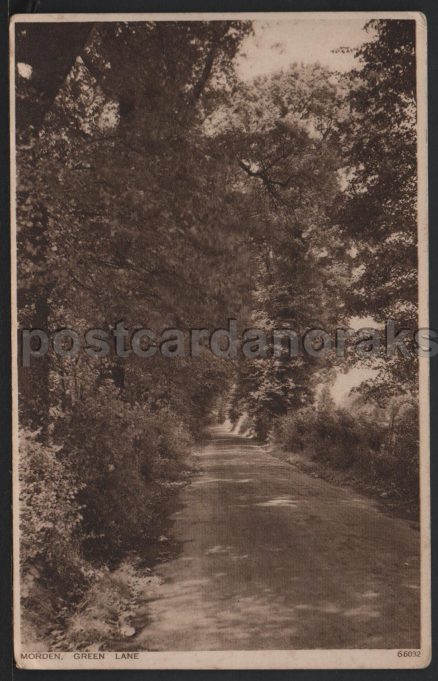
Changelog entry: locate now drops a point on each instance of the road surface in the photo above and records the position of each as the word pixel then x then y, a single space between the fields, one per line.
pixel 272 558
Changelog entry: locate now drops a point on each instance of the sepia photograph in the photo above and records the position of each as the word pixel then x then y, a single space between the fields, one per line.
pixel 220 341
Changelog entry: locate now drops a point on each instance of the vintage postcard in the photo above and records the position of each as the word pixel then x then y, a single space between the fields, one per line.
pixel 220 341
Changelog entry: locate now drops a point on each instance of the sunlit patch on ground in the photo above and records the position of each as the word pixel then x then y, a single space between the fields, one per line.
pixel 280 501
pixel 218 549
pixel 207 480
pixel 362 611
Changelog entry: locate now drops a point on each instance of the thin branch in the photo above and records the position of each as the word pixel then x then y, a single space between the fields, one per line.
pixel 206 71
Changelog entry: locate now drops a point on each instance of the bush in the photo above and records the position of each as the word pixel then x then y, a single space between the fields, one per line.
pixel 124 454
pixel 293 430
pixel 89 494
pixel 49 509
pixel 383 450
pixel 53 572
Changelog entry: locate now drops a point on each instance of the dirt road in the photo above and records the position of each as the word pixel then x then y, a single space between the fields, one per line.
pixel 273 558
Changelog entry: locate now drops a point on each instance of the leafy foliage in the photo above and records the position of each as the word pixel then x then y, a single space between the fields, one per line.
pixel 50 510
pixel 125 454
pixel 378 213
pixel 380 448
pixel 157 188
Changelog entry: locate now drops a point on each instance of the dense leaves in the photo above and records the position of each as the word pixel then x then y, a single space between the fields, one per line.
pixel 157 188
pixel 379 211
